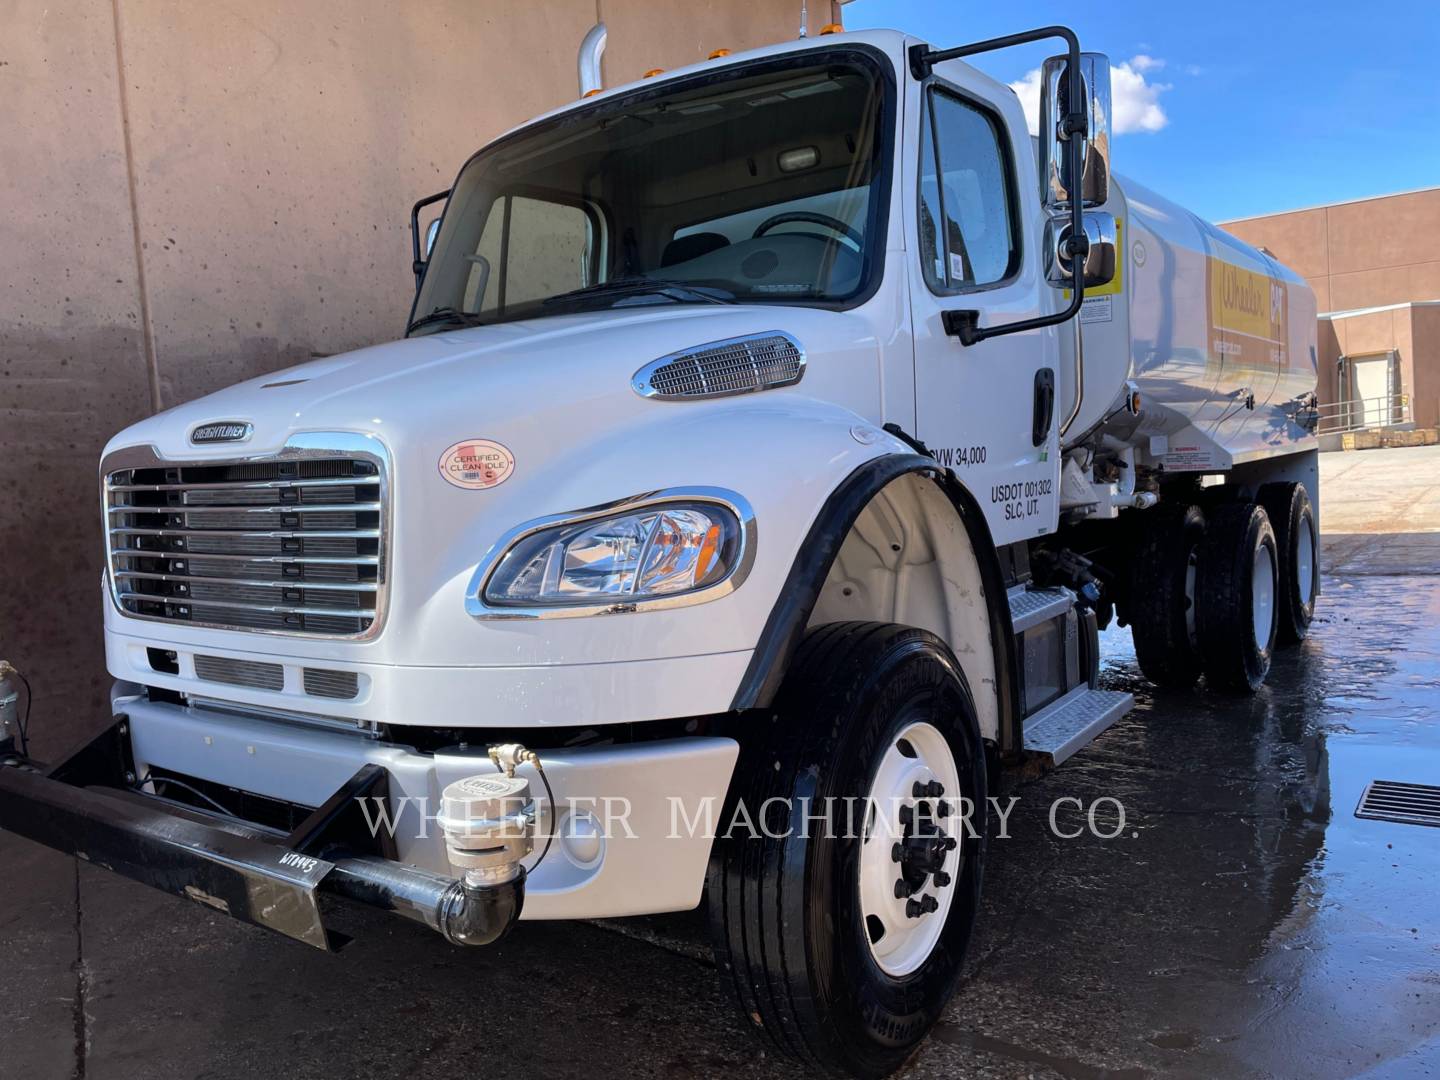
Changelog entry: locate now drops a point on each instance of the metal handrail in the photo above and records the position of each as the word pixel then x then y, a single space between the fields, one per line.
pixel 1356 414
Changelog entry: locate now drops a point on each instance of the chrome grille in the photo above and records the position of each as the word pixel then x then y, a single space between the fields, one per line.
pixel 252 673
pixel 323 682
pixel 737 366
pixel 287 545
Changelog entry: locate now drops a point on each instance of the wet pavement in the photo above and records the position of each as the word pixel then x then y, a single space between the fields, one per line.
pixel 1241 921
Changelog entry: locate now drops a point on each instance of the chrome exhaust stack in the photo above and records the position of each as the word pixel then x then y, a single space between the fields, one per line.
pixel 592 48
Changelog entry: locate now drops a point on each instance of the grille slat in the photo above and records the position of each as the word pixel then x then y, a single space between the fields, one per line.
pixel 252 673
pixel 243 510
pixel 739 366
pixel 322 682
pixel 287 546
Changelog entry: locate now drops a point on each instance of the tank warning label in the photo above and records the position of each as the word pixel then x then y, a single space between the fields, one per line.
pixel 1095 309
pixel 477 464
pixel 1189 459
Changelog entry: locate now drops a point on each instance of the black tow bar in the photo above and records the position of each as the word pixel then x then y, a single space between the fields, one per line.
pixel 88 807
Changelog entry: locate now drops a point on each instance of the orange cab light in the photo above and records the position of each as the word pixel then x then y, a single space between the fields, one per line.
pixel 653 72
pixel 718 53
pixel 832 28
pixel 592 93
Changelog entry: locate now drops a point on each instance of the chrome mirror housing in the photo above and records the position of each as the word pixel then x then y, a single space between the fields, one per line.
pixel 1099 268
pixel 1056 185
pixel 431 231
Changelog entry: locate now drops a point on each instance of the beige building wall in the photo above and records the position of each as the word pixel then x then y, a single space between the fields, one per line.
pixel 200 193
pixel 1357 254
pixel 1375 253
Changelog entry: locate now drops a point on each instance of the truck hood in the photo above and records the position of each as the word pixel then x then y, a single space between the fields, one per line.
pixel 555 378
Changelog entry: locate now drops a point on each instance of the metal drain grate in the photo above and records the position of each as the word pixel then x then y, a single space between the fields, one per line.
pixel 1409 804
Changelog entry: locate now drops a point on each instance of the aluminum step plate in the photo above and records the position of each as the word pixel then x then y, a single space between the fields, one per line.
pixel 1031 607
pixel 1065 726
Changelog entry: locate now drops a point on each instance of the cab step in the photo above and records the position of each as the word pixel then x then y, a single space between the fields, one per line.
pixel 1031 607
pixel 1073 721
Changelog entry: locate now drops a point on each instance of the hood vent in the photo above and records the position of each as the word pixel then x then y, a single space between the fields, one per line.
pixel 740 365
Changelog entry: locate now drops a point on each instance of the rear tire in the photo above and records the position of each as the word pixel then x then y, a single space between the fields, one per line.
pixel 1237 590
pixel 1161 605
pixel 799 929
pixel 1293 519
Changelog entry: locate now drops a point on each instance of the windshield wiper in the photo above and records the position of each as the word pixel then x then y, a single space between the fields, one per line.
pixel 679 291
pixel 445 314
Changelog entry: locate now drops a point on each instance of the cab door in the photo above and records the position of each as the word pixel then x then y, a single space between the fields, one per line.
pixel 986 410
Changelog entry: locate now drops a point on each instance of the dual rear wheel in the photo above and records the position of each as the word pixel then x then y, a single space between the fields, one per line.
pixel 1214 592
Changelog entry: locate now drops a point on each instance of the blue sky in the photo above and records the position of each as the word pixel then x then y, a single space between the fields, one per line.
pixel 1236 109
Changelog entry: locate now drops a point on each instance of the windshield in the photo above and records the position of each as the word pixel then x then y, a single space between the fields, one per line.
pixel 763 183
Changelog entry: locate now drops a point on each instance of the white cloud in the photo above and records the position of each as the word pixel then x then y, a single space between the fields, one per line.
pixel 1134 99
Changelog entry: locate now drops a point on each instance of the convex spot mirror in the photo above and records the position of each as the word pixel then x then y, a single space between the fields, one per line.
pixel 1056 183
pixel 1099 267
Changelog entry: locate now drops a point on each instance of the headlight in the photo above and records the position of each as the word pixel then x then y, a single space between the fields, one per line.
pixel 651 549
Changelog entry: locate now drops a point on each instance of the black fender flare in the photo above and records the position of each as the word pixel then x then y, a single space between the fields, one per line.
pixel 791 614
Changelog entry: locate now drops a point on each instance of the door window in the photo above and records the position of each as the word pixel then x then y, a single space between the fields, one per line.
pixel 967 207
pixel 529 248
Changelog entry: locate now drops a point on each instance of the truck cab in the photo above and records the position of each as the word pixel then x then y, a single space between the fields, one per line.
pixel 767 438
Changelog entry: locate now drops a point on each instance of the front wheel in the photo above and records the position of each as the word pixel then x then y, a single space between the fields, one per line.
pixel 846 877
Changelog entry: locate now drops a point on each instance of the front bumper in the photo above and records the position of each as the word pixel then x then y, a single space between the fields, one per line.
pixel 650 800
pixel 282 882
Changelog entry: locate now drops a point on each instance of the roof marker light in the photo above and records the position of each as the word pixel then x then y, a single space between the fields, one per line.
pixel 832 28
pixel 718 53
pixel 653 72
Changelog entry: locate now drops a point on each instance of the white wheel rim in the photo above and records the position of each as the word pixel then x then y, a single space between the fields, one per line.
pixel 1262 594
pixel 899 942
pixel 1305 562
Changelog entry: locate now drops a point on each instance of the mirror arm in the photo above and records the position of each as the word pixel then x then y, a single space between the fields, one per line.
pixel 418 264
pixel 965 325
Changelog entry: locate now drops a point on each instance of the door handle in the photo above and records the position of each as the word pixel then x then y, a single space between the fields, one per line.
pixel 1044 411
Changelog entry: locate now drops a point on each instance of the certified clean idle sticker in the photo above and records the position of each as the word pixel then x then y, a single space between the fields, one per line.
pixel 477 464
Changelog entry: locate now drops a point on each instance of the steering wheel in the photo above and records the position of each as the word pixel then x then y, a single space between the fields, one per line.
pixel 811 218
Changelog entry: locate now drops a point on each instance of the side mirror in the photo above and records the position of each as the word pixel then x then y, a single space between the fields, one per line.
pixel 1099 268
pixel 417 261
pixel 1093 185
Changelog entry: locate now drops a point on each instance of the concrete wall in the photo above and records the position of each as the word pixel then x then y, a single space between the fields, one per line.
pixel 199 193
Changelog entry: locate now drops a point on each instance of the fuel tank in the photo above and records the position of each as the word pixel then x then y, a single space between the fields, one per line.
pixel 1217 337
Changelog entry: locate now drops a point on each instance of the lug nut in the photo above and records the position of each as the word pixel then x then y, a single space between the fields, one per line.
pixel 949 843
pixel 924 906
pixel 896 852
pixel 933 790
pixel 902 888
pixel 942 809
pixel 942 878
pixel 907 816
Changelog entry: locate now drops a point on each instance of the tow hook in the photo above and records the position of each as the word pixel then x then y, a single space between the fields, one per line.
pixel 489 826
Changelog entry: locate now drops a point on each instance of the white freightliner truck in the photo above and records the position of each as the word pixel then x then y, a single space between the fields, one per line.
pixel 769 436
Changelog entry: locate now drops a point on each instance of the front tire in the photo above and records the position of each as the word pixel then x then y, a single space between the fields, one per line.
pixel 1237 592
pixel 819 952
